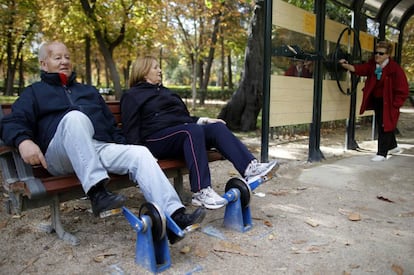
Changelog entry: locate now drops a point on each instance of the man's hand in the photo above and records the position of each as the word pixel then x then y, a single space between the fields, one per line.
pixel 31 153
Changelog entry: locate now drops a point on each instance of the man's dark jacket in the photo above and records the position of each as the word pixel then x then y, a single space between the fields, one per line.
pixel 41 106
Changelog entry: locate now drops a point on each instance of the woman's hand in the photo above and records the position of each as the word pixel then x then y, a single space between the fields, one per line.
pixel 215 120
pixel 207 120
pixel 344 63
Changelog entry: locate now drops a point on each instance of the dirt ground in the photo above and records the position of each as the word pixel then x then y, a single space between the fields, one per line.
pixel 343 215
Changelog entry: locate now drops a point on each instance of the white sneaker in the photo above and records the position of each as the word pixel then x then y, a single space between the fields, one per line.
pixel 256 168
pixel 378 158
pixel 208 198
pixel 396 150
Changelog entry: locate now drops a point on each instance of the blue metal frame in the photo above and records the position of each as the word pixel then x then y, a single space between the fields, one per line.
pixel 150 254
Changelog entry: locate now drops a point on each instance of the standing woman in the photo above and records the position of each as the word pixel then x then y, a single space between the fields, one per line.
pixel 154 116
pixel 385 90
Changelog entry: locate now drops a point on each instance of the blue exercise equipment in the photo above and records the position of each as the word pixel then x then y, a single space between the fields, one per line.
pixel 152 250
pixel 237 215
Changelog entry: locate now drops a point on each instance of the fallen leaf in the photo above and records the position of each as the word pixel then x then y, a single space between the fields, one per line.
pixel 397 269
pixel 100 257
pixel 32 261
pixel 299 241
pixel 312 222
pixel 306 250
pixel 313 249
pixel 3 224
pixel 232 248
pixel 200 251
pixel 279 193
pixel 405 215
pixel 268 223
pixel 384 199
pixel 354 217
pixel 185 250
pixel 344 211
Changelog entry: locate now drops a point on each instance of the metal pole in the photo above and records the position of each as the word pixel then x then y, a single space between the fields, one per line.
pixel 351 143
pixel 315 153
pixel 266 80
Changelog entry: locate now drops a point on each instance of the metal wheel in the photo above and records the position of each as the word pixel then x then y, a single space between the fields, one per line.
pixel 243 187
pixel 159 223
pixel 338 54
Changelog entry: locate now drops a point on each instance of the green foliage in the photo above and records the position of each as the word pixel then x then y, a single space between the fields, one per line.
pixel 407 59
pixel 213 93
pixel 303 4
pixel 7 99
pixel 209 110
pixel 333 11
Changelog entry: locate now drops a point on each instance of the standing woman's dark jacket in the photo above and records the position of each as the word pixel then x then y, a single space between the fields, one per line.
pixel 32 119
pixel 395 90
pixel 148 108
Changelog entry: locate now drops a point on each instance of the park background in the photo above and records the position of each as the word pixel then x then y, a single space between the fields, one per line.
pixel 201 44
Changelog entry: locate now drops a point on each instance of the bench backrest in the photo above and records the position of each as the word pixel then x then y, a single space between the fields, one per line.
pixel 116 110
pixel 5 108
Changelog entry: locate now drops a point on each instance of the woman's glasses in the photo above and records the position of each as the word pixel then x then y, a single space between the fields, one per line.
pixel 380 53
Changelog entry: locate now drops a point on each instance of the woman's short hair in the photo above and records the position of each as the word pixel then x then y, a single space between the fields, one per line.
pixel 140 68
pixel 384 45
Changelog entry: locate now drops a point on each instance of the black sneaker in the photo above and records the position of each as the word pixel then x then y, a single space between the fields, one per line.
pixel 184 220
pixel 102 200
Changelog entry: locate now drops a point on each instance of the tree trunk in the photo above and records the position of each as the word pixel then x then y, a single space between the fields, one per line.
pixel 230 72
pixel 98 71
pixel 193 81
pixel 21 74
pixel 110 64
pixel 126 72
pixel 88 67
pixel 106 47
pixel 242 110
pixel 10 66
pixel 223 63
pixel 210 59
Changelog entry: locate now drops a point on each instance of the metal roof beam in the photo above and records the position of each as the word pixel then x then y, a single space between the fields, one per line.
pixel 383 14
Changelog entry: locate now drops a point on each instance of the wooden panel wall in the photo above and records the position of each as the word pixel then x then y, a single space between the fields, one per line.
pixel 295 19
pixel 291 98
pixel 291 101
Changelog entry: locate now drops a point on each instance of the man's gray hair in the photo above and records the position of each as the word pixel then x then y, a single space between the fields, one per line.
pixel 43 51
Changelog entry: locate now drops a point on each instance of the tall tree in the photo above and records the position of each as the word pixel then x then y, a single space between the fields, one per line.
pixel 187 18
pixel 118 30
pixel 18 24
pixel 242 110
pixel 226 17
pixel 197 24
pixel 107 40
